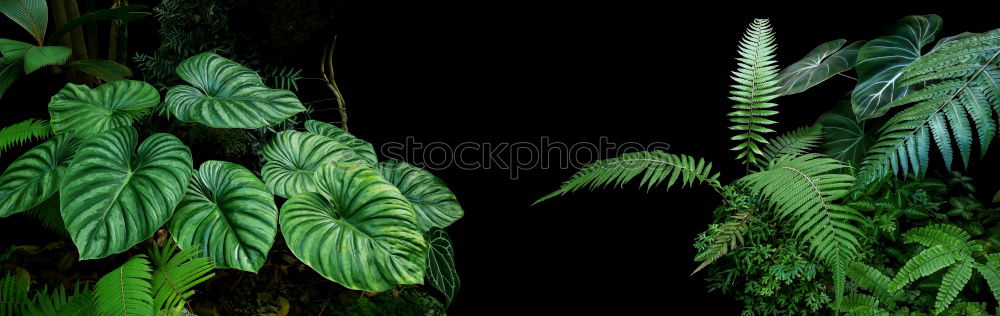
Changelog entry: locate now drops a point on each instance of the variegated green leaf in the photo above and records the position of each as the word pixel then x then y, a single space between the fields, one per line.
pixel 36 175
pixel 360 147
pixel 824 61
pixel 115 196
pixel 292 157
pixel 225 94
pixel 80 110
pixel 358 231
pixel 441 273
pixel 434 203
pixel 229 214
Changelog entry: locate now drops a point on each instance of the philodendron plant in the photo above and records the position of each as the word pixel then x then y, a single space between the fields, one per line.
pixel 365 224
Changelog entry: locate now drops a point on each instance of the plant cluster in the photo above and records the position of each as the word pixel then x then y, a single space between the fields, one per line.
pixel 845 215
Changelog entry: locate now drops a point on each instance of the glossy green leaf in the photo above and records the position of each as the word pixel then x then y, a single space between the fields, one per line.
pixel 824 61
pixel 359 231
pixel 102 69
pixel 881 62
pixel 32 15
pixel 35 176
pixel 441 273
pixel 229 215
pixel 434 203
pixel 115 196
pixel 360 147
pixel 13 50
pixel 292 157
pixel 124 13
pixel 41 56
pixel 225 94
pixel 84 111
pixel 845 137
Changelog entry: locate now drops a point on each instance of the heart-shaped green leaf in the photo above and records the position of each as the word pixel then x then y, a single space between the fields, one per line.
pixel 360 147
pixel 441 273
pixel 225 94
pixel 881 62
pixel 359 231
pixel 113 196
pixel 80 110
pixel 823 62
pixel 36 175
pixel 292 157
pixel 434 203
pixel 229 214
pixel 845 137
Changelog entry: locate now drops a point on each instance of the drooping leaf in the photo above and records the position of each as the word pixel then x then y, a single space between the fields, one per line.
pixel 126 291
pixel 360 147
pixel 102 69
pixel 175 274
pixel 228 215
pixel 292 157
pixel 10 70
pixel 434 203
pixel 41 56
pixel 24 131
pixel 441 273
pixel 126 13
pixel 114 196
pixel 881 62
pixel 32 15
pixel 80 110
pixel 36 175
pixel 845 137
pixel 359 231
pixel 824 61
pixel 225 94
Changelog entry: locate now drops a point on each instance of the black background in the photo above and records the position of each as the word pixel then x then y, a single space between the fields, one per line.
pixel 507 72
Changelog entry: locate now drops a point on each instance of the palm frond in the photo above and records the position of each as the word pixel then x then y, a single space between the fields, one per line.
pixel 655 167
pixel 756 86
pixel 25 131
pixel 793 143
pixel 803 190
pixel 126 290
pixel 176 274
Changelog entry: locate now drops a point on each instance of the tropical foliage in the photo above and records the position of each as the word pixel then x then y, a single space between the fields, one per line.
pixel 849 215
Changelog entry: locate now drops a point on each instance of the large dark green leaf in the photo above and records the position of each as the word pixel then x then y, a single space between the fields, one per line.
pixel 84 111
pixel 844 135
pixel 225 94
pixel 441 272
pixel 35 176
pixel 359 231
pixel 881 62
pixel 124 13
pixel 433 202
pixel 823 62
pixel 229 214
pixel 32 15
pixel 292 157
pixel 113 196
pixel 360 147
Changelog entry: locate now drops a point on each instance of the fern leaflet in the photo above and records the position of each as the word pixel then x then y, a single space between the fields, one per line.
pixel 730 238
pixel 756 86
pixel 794 143
pixel 25 131
pixel 176 274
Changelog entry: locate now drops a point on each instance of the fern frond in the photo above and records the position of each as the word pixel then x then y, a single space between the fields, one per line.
pixel 25 131
pixel 281 77
pixel 939 234
pixel 730 238
pixel 923 264
pixel 126 290
pixel 655 167
pixel 803 189
pixel 793 143
pixel 859 304
pixel 58 303
pixel 13 295
pixel 873 280
pixel 991 272
pixel 954 93
pixel 176 274
pixel 952 283
pixel 756 85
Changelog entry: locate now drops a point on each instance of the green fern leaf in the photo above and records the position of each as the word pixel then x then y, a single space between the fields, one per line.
pixel 756 86
pixel 803 189
pixel 25 131
pixel 794 143
pixel 730 238
pixel 176 274
pixel 923 264
pixel 13 295
pixel 859 304
pixel 126 291
pixel 991 272
pixel 873 280
pixel 952 283
pixel 58 303
pixel 655 167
